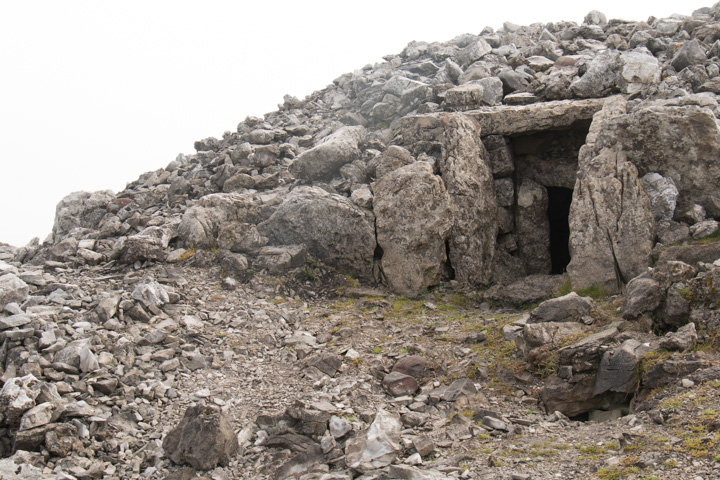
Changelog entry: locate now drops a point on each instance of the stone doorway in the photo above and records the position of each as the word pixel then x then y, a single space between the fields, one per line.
pixel 546 165
pixel 558 210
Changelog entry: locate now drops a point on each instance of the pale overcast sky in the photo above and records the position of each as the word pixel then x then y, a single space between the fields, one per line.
pixel 94 93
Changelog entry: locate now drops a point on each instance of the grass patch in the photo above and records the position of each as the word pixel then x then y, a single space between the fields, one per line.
pixel 187 254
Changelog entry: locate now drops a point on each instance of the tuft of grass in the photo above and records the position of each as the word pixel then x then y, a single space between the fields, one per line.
pixel 309 275
pixel 595 292
pixel 189 253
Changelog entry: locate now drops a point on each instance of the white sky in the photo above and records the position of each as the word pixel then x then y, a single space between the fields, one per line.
pixel 94 93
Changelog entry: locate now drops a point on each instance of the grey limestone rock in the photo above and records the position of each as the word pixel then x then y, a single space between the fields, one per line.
pixel 204 439
pixel 334 229
pixel 80 210
pixel 662 193
pixel 612 228
pixel 568 308
pixel 377 447
pixel 683 340
pixel 485 91
pixel 325 160
pixel 689 53
pixel 618 370
pixel 12 290
pixel 413 219
pixel 467 174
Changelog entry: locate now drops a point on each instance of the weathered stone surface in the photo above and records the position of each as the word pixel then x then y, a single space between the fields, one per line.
pixel 18 396
pixel 638 71
pixel 576 398
pixel 549 334
pixel 642 294
pixel 691 254
pixel 15 469
pixel 619 368
pixel 204 439
pixel 600 79
pixel 150 244
pixel 392 158
pixel 527 291
pixel 612 227
pixel 240 237
pixel 689 53
pixel 677 142
pixel 282 258
pixel 335 230
pixel 568 308
pixel 683 340
pixel 662 193
pixel 413 365
pixel 378 446
pixel 585 354
pixel 677 366
pixel 513 120
pixel 200 223
pixel 12 289
pixel 413 219
pixel 80 210
pixel 466 171
pixel 533 227
pixel 485 91
pixel 399 384
pixel 325 160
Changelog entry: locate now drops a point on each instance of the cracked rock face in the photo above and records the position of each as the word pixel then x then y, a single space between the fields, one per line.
pixel 611 223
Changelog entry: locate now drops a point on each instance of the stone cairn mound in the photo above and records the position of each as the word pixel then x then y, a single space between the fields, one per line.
pixel 189 325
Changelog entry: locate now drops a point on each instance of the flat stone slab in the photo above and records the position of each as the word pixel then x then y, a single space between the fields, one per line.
pixel 513 119
pixel 536 117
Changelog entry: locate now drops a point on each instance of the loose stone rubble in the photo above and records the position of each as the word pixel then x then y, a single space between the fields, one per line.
pixel 495 257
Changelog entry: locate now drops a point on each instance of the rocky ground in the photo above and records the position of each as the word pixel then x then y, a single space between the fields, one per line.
pixel 299 366
pixel 362 284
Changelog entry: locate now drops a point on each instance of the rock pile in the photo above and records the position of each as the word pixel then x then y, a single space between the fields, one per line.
pixel 184 323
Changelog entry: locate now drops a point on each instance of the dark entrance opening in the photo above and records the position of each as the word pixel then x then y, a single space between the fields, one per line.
pixel 559 200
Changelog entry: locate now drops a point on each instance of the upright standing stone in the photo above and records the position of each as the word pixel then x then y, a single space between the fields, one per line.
pixel 612 228
pixel 414 216
pixel 467 173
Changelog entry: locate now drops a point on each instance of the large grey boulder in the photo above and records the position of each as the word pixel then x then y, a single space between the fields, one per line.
pixel 485 91
pixel 639 71
pixel 203 439
pixel 324 160
pixel 378 447
pixel 12 290
pixel 200 223
pixel 643 294
pixel 149 244
pixel 467 173
pixel 334 229
pixel 80 210
pixel 689 53
pixel 612 228
pixel 17 397
pixel 414 217
pixel 568 308
pixel 600 79
pixel 681 143
pixel 618 370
